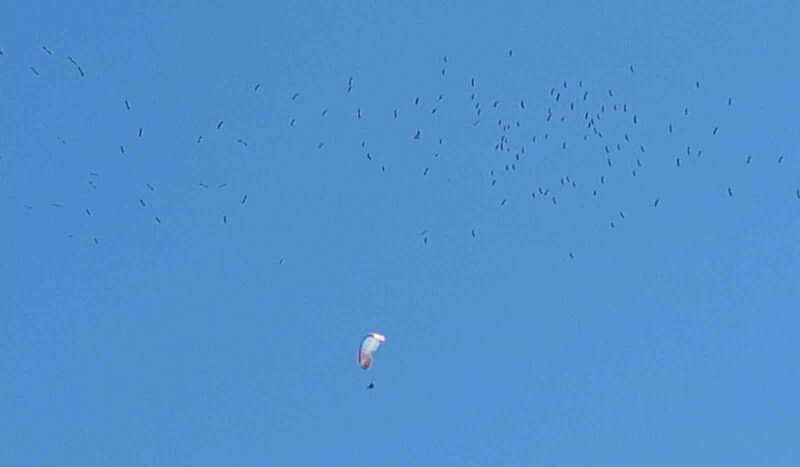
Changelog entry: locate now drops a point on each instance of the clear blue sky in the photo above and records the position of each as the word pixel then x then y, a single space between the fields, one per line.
pixel 669 339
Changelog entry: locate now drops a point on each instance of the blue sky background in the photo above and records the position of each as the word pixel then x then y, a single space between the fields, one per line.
pixel 670 339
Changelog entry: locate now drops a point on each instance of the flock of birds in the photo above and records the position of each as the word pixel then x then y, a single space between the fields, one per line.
pixel 594 135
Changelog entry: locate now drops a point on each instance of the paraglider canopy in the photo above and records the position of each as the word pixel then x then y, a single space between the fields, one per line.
pixel 369 345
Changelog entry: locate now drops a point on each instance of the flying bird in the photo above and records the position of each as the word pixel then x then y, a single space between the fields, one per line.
pixel 219 125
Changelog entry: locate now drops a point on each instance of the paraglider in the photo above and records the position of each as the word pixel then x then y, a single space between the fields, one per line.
pixel 369 345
